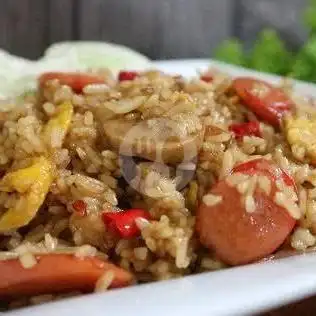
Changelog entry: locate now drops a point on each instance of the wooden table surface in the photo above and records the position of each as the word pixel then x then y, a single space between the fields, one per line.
pixel 157 28
pixel 305 307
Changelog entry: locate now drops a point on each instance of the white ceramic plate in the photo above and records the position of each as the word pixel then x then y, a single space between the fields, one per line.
pixel 236 291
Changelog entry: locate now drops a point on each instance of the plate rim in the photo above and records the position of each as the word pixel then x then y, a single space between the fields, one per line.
pixel 222 292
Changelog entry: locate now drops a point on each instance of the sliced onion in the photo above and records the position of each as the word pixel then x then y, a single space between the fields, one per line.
pixel 125 106
pixel 183 107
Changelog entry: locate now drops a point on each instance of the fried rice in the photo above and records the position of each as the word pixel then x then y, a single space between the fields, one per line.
pixel 93 174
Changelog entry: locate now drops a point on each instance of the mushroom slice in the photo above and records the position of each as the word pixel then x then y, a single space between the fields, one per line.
pixel 162 139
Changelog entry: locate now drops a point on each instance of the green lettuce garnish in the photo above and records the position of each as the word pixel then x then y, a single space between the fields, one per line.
pixel 19 74
pixel 270 54
pixel 231 51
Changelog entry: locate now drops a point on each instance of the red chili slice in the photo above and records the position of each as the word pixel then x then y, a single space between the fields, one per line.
pixel 246 129
pixel 127 75
pixel 240 237
pixel 207 78
pixel 123 223
pixel 266 101
pixel 80 207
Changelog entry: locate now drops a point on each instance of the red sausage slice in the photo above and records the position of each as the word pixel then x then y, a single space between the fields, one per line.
pixel 77 81
pixel 57 273
pixel 266 101
pixel 240 237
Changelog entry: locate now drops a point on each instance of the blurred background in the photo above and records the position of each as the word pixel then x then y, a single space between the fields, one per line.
pixel 157 28
pixel 277 36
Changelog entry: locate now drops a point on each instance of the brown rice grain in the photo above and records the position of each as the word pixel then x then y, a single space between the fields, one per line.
pixel 27 260
pixel 50 242
pixel 211 199
pixel 243 186
pixel 282 200
pixel 211 264
pixel 236 178
pixel 264 184
pixel 86 251
pixel 220 138
pixel 141 253
pixel 227 164
pixel 40 299
pixel 250 204
pixel 182 260
pixel 104 281
pixel 49 108
pixel 302 238
pixel 303 200
pixel 312 193
pixel 141 223
pixel 88 118
pixel 95 88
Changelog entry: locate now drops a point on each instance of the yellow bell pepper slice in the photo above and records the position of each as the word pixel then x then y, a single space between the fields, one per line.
pixel 301 135
pixel 32 183
pixel 57 127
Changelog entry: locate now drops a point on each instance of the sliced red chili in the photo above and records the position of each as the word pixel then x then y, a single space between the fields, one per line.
pixel 80 207
pixel 207 78
pixel 246 129
pixel 123 223
pixel 127 75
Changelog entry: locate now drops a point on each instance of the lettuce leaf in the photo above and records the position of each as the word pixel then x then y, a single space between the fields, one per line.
pixel 270 54
pixel 231 51
pixel 18 75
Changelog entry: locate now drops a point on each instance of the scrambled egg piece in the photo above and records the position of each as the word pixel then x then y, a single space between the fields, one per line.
pixel 57 127
pixel 31 184
pixel 301 135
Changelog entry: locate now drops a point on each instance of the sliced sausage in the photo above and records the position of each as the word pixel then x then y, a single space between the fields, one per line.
pixel 77 81
pixel 240 235
pixel 137 139
pixel 269 103
pixel 57 273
